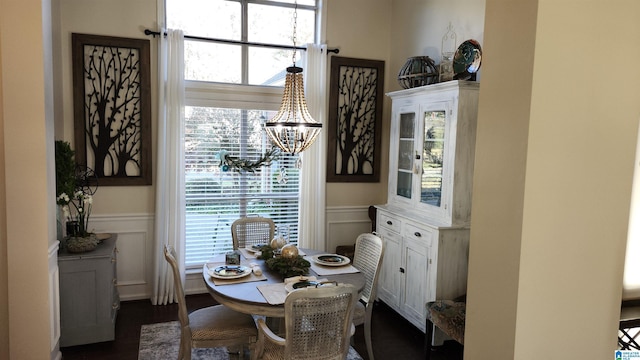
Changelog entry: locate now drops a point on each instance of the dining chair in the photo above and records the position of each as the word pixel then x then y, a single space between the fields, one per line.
pixel 212 326
pixel 318 325
pixel 247 231
pixel 367 258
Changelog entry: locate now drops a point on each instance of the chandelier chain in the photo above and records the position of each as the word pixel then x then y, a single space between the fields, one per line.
pixel 295 28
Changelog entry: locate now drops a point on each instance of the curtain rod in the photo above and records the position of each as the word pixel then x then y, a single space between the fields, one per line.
pixel 156 33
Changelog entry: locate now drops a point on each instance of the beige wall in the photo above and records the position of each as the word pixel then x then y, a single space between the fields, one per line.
pixel 554 167
pixel 28 222
pixel 362 29
pixel 123 18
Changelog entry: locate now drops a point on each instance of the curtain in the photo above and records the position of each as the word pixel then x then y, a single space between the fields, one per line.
pixel 170 202
pixel 312 182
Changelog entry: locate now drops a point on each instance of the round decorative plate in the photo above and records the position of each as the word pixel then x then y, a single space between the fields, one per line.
pixel 300 285
pixel 467 59
pixel 331 260
pixel 229 272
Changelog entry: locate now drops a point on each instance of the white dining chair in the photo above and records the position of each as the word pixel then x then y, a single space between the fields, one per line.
pixel 247 231
pixel 318 325
pixel 212 326
pixel 367 258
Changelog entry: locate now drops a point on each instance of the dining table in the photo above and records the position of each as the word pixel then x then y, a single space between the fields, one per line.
pixel 245 296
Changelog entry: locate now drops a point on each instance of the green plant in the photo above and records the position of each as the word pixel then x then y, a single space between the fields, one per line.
pixel 288 267
pixel 65 168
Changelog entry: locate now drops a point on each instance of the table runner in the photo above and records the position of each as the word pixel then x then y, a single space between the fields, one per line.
pixel 248 278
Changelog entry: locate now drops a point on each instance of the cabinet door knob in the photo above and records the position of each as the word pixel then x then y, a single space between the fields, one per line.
pixel 402 270
pixel 417 234
pixel 389 222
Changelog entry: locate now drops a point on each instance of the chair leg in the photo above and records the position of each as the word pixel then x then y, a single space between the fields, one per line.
pixel 367 333
pixel 428 339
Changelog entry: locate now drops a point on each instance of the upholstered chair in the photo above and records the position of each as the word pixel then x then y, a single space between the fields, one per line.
pixel 213 326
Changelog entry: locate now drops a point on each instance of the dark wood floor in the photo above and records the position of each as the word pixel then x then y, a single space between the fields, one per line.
pixel 393 336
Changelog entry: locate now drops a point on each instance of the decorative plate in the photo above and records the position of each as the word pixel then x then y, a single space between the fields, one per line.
pixel 467 59
pixel 229 272
pixel 255 247
pixel 331 260
pixel 300 285
pixel 103 236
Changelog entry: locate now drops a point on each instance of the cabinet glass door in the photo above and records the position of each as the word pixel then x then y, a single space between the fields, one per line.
pixel 405 154
pixel 432 157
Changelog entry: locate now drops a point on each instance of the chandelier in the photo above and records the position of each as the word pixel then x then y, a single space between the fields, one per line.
pixel 293 129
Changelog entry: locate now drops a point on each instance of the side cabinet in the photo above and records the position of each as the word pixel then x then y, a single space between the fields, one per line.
pixel 421 263
pixel 89 299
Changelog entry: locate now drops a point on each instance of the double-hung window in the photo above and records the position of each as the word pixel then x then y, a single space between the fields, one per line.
pixel 233 86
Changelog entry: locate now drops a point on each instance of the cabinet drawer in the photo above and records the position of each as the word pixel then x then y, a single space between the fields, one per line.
pixel 389 222
pixel 417 233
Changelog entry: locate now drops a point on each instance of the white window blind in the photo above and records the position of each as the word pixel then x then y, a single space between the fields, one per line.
pixel 215 198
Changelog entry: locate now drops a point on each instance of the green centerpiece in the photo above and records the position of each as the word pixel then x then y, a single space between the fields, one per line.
pixel 287 266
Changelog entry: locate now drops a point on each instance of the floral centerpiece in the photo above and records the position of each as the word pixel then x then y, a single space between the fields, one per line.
pixel 74 194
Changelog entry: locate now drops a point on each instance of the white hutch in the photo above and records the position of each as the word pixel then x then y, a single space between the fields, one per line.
pixel 425 223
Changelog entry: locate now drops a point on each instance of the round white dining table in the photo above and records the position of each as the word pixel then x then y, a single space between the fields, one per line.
pixel 245 297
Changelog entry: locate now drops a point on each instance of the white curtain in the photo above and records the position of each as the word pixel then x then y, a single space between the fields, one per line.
pixel 169 217
pixel 314 159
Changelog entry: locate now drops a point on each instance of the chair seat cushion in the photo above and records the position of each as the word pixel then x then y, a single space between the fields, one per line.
pixel 448 316
pixel 359 313
pixel 220 323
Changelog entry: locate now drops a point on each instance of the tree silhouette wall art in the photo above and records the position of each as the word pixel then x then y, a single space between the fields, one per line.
pixel 112 108
pixel 355 115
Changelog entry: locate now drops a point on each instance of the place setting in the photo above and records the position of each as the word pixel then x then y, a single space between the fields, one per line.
pixel 275 294
pixel 331 264
pixel 224 274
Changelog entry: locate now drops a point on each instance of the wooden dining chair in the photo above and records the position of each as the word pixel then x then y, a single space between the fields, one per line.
pixel 248 231
pixel 212 326
pixel 318 325
pixel 367 258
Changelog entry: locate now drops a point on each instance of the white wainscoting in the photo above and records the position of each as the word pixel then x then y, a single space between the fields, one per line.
pixel 344 224
pixel 135 246
pixel 135 251
pixel 54 302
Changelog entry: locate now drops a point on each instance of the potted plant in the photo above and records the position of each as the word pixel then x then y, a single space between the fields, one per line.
pixel 75 200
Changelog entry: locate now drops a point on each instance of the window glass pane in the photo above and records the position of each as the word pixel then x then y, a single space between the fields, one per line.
pixel 274 25
pixel 300 2
pixel 208 61
pixel 214 197
pixel 432 157
pixel 268 66
pixel 199 18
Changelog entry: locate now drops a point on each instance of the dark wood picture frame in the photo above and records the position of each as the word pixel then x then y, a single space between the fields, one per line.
pixel 112 108
pixel 355 118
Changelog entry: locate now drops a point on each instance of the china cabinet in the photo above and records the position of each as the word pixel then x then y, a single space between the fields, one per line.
pixel 425 223
pixel 89 299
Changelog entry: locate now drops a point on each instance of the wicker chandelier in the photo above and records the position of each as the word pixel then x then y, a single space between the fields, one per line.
pixel 293 129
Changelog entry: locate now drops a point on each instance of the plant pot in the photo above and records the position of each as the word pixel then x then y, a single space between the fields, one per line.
pixel 82 244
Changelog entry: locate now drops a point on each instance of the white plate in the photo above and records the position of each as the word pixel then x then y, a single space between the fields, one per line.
pixel 229 272
pixel 331 260
pixel 255 248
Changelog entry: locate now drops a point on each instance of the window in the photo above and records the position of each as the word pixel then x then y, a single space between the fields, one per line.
pixel 235 21
pixel 232 89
